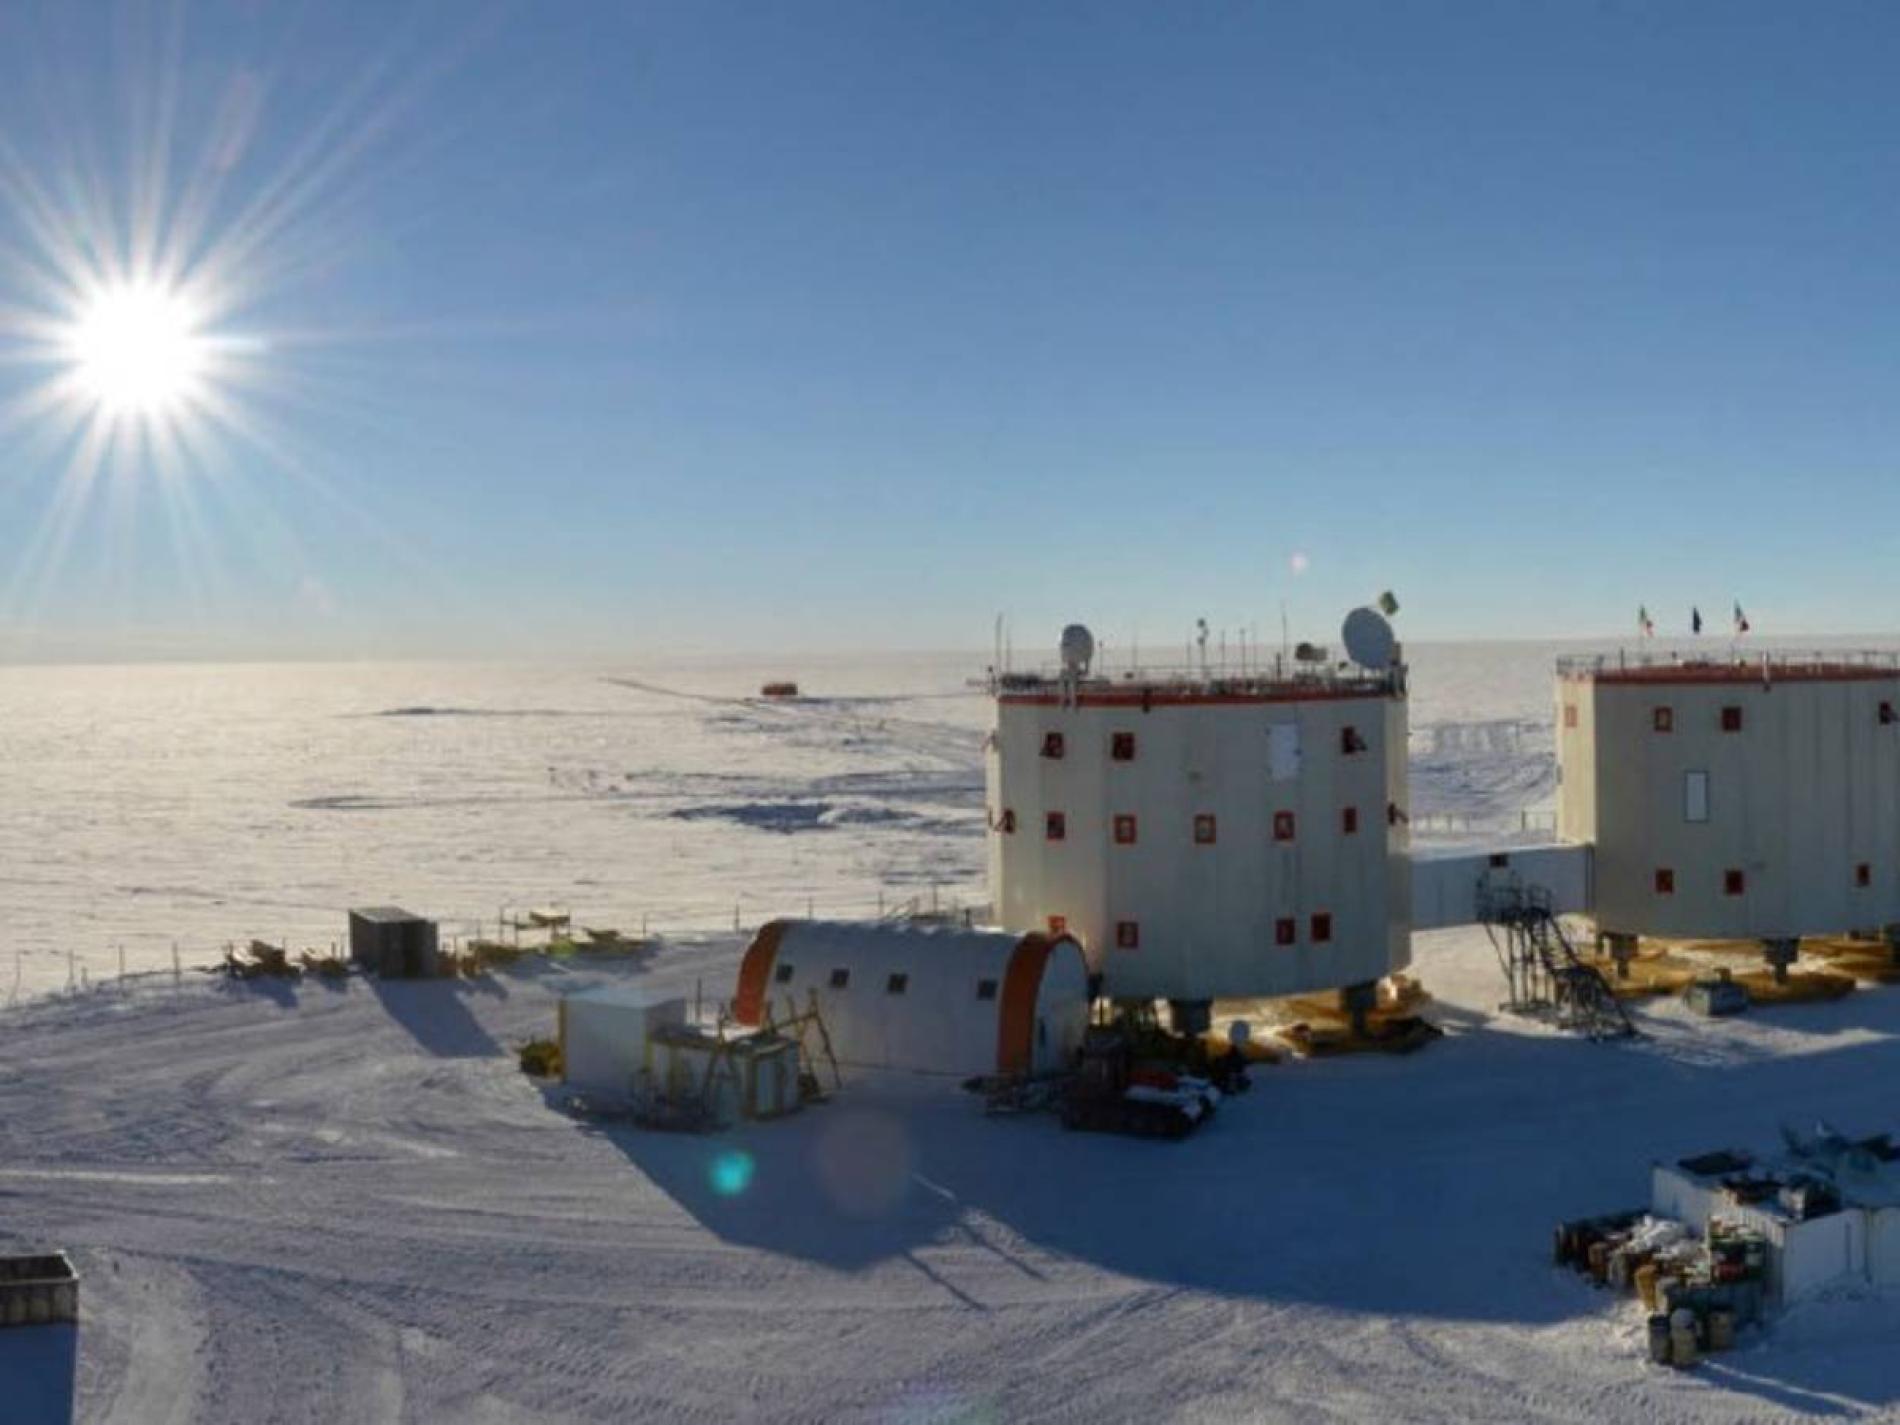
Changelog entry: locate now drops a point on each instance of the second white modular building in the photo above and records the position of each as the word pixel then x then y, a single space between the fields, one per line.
pixel 908 995
pixel 1206 837
pixel 1755 799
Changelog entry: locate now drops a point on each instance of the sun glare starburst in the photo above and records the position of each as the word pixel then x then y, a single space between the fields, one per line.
pixel 139 349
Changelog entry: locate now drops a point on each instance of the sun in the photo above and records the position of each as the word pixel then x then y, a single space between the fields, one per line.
pixel 138 349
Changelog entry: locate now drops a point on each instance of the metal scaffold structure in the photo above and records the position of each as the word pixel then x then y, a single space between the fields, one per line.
pixel 1545 975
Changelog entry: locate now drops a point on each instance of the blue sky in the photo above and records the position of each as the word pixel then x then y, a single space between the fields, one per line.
pixel 620 328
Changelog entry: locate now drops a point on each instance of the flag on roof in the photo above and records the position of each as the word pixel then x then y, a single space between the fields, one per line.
pixel 1645 625
pixel 1741 619
pixel 1695 620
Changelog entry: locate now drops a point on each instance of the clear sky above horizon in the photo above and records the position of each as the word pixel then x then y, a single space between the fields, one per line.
pixel 616 328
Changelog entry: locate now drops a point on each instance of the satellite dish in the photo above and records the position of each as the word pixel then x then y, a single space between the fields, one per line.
pixel 1368 639
pixel 1078 649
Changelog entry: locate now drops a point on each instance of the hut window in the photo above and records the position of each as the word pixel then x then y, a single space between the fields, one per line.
pixel 1731 719
pixel 1121 747
pixel 1663 719
pixel 1322 928
pixel 1695 796
pixel 1284 931
pixel 1500 859
pixel 1733 883
pixel 1127 935
pixel 1349 821
pixel 897 984
pixel 1204 829
pixel 1863 874
pixel 840 979
pixel 1350 741
pixel 1665 881
pixel 1283 826
pixel 783 974
pixel 1058 925
pixel 1006 823
pixel 986 989
pixel 1570 714
pixel 1886 714
pixel 1052 746
pixel 1055 826
pixel 1125 829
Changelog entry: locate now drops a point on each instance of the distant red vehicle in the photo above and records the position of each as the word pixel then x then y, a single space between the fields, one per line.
pixel 779 690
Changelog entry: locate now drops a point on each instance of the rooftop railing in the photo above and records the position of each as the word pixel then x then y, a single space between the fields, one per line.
pixel 1734 662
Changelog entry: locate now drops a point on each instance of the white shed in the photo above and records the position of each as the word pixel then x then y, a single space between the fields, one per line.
pixel 603 1035
pixel 912 996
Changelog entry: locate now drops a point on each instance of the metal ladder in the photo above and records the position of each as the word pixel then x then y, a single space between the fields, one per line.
pixel 1547 977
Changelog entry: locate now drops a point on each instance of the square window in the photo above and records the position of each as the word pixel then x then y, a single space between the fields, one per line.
pixel 1350 741
pixel 1349 821
pixel 1731 719
pixel 1663 719
pixel 1058 925
pixel 1052 745
pixel 1863 874
pixel 1124 829
pixel 1886 714
pixel 1006 823
pixel 897 984
pixel 1570 714
pixel 1283 826
pixel 1121 746
pixel 1204 829
pixel 840 979
pixel 1733 883
pixel 1055 826
pixel 1665 881
pixel 783 974
pixel 986 989
pixel 1322 928
pixel 1127 935
pixel 1500 859
pixel 1284 930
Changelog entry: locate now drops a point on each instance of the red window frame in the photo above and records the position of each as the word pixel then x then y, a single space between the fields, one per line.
pixel 1284 826
pixel 1006 823
pixel 1349 821
pixel 1570 714
pixel 1665 881
pixel 1734 882
pixel 1286 931
pixel 1127 935
pixel 1053 746
pixel 1055 826
pixel 1732 718
pixel 1321 930
pixel 1663 719
pixel 1121 746
pixel 1125 828
pixel 1058 924
pixel 1206 830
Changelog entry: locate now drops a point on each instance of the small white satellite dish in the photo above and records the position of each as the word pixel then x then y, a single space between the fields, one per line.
pixel 1078 649
pixel 1368 639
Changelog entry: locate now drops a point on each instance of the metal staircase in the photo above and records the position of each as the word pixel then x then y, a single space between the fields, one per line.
pixel 1547 978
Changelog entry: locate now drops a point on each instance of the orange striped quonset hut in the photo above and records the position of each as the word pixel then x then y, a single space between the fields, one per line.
pixel 921 997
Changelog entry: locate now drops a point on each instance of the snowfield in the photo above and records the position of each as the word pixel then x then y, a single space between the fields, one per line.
pixel 317 1204
pixel 321 1203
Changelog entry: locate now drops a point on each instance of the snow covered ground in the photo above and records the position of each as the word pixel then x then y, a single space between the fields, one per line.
pixel 313 1204
pixel 320 1204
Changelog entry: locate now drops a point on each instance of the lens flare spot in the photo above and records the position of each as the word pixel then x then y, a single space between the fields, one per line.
pixel 732 1172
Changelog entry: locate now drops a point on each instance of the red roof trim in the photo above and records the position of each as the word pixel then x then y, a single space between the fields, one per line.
pixel 1126 698
pixel 1737 674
